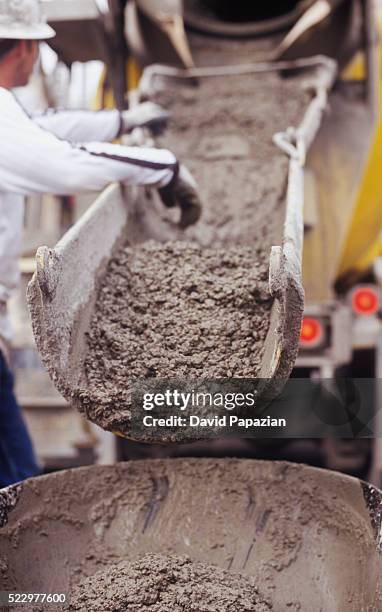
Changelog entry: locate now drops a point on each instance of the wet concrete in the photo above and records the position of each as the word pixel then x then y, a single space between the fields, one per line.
pixel 174 311
pixel 167 583
pixel 223 130
pixel 201 308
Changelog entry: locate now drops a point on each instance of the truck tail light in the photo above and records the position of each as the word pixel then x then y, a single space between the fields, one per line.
pixel 312 333
pixel 365 301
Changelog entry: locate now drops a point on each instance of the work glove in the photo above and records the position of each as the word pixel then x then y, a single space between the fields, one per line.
pixel 145 115
pixel 182 191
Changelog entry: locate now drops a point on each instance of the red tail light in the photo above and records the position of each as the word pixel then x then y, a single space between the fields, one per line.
pixel 365 301
pixel 312 332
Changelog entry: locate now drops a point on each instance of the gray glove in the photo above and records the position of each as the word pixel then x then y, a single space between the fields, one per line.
pixel 147 115
pixel 182 191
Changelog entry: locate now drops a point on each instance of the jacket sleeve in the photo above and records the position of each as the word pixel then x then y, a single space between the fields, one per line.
pixel 33 160
pixel 81 126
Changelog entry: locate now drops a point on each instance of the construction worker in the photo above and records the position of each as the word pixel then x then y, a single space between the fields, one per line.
pixel 59 153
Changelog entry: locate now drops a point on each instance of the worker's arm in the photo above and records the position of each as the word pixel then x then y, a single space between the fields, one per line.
pixel 81 126
pixel 33 160
pixel 102 126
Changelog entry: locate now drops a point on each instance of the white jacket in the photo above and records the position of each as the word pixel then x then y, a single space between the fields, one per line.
pixel 38 155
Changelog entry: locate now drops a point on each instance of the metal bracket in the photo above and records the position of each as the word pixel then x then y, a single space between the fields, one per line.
pixel 291 143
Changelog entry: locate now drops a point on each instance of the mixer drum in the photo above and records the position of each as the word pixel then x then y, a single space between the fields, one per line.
pixel 242 10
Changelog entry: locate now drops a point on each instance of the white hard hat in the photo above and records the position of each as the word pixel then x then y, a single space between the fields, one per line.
pixel 23 19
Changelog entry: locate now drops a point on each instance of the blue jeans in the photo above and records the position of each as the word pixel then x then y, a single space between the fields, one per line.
pixel 17 459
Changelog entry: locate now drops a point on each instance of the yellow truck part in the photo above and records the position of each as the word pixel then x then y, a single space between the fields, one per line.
pixel 363 242
pixel 345 165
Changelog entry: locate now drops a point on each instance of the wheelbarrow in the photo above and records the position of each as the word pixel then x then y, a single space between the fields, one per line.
pixel 311 538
